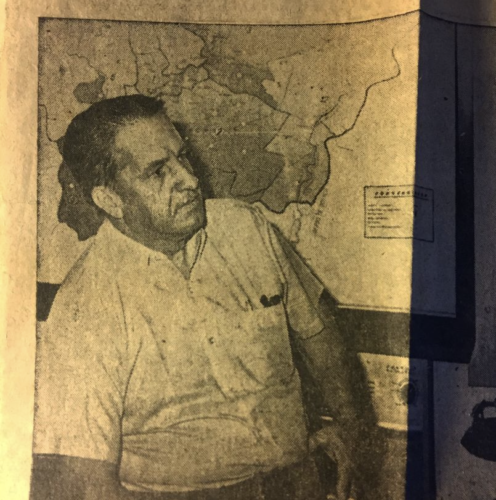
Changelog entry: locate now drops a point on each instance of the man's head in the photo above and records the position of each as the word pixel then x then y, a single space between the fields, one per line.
pixel 130 161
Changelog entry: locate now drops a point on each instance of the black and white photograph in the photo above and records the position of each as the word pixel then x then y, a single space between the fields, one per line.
pixel 264 258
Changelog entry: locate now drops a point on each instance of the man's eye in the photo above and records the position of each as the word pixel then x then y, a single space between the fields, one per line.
pixel 183 155
pixel 159 172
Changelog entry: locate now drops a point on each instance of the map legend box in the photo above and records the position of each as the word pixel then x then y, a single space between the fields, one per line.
pixel 405 211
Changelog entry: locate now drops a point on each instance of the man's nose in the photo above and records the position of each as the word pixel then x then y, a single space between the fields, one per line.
pixel 185 177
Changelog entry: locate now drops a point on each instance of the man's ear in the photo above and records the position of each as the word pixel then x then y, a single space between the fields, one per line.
pixel 109 201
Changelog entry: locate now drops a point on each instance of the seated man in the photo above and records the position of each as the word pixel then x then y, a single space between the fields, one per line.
pixel 166 369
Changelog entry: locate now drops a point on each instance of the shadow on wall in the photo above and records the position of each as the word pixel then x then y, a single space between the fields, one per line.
pixel 444 131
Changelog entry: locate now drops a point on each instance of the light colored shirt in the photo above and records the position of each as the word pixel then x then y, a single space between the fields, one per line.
pixel 185 382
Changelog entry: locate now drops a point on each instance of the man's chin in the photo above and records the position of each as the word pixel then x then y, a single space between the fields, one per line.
pixel 199 223
pixel 192 222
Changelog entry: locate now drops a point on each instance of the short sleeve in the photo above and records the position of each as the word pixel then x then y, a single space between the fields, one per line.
pixel 80 375
pixel 302 287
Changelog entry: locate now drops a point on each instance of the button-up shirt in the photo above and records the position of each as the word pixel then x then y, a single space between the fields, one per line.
pixel 185 381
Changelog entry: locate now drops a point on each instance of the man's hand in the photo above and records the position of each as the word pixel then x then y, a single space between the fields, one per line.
pixel 338 444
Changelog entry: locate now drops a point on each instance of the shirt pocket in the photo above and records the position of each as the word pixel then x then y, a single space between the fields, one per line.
pixel 262 348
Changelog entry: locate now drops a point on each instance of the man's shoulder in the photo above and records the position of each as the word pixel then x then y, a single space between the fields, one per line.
pixel 238 228
pixel 232 213
pixel 91 279
pixel 230 204
pixel 94 264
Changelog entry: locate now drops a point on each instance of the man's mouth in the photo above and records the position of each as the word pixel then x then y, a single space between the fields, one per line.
pixel 193 198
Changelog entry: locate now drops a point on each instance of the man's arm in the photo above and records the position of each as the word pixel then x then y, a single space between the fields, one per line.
pixel 82 368
pixel 331 362
pixel 333 365
pixel 72 478
pixel 335 369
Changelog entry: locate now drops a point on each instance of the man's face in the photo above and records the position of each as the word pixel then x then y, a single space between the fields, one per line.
pixel 160 194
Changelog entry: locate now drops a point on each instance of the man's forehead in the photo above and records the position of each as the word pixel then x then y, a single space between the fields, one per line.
pixel 152 126
pixel 143 139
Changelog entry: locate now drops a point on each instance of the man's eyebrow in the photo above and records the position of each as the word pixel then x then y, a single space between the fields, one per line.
pixel 153 165
pixel 183 149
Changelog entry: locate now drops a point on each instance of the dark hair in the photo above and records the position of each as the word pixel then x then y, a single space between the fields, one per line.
pixel 88 143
